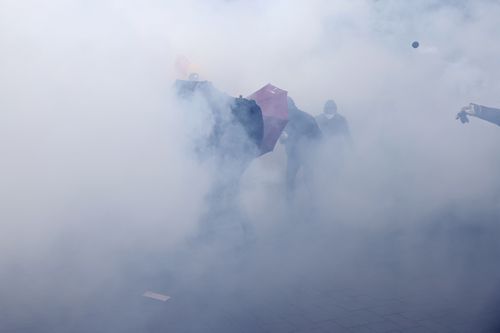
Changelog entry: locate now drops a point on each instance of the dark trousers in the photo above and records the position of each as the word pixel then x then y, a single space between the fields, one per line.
pixel 295 163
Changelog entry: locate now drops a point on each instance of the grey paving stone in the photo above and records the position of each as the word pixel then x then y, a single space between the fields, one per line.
pixel 312 330
pixel 383 327
pixel 279 327
pixel 418 329
pixel 325 302
pixel 246 325
pixel 266 319
pixel 401 321
pixel 388 308
pixel 434 326
pixel 331 326
pixel 443 313
pixel 480 326
pixel 16 324
pixel 452 319
pixel 337 311
pixel 300 322
pixel 355 302
pixel 291 311
pixel 359 318
pixel 321 314
pixel 420 314
pixel 360 329
pixel 464 329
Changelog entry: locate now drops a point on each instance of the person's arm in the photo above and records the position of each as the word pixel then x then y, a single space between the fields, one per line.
pixel 491 115
pixel 346 133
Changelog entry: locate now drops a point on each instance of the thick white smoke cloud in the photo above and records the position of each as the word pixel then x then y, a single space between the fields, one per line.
pixel 96 169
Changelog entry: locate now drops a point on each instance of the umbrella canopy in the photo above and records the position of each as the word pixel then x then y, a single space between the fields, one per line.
pixel 273 103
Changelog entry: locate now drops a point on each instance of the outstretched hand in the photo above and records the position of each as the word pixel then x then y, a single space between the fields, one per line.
pixel 462 115
pixel 468 110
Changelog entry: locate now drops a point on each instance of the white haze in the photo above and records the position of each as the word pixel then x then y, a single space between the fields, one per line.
pixel 98 179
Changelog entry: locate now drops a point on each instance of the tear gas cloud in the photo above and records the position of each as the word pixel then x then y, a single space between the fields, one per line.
pixel 102 194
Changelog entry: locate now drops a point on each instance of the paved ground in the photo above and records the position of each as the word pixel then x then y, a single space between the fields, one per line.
pixel 301 278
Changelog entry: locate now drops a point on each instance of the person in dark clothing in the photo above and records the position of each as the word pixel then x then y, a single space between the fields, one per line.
pixel 491 115
pixel 336 141
pixel 331 123
pixel 300 138
pixel 249 115
pixel 237 124
pixel 229 133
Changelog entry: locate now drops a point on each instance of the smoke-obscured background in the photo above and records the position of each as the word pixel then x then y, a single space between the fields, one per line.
pixel 101 197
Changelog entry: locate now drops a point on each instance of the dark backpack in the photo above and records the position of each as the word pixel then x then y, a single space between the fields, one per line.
pixel 249 115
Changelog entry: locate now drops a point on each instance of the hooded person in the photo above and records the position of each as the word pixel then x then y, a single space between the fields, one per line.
pixel 491 115
pixel 331 123
pixel 300 137
pixel 336 141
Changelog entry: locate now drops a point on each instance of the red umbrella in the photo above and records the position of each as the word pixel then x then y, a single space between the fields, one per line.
pixel 273 103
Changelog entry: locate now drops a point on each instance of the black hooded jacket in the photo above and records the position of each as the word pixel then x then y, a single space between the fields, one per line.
pixel 302 130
